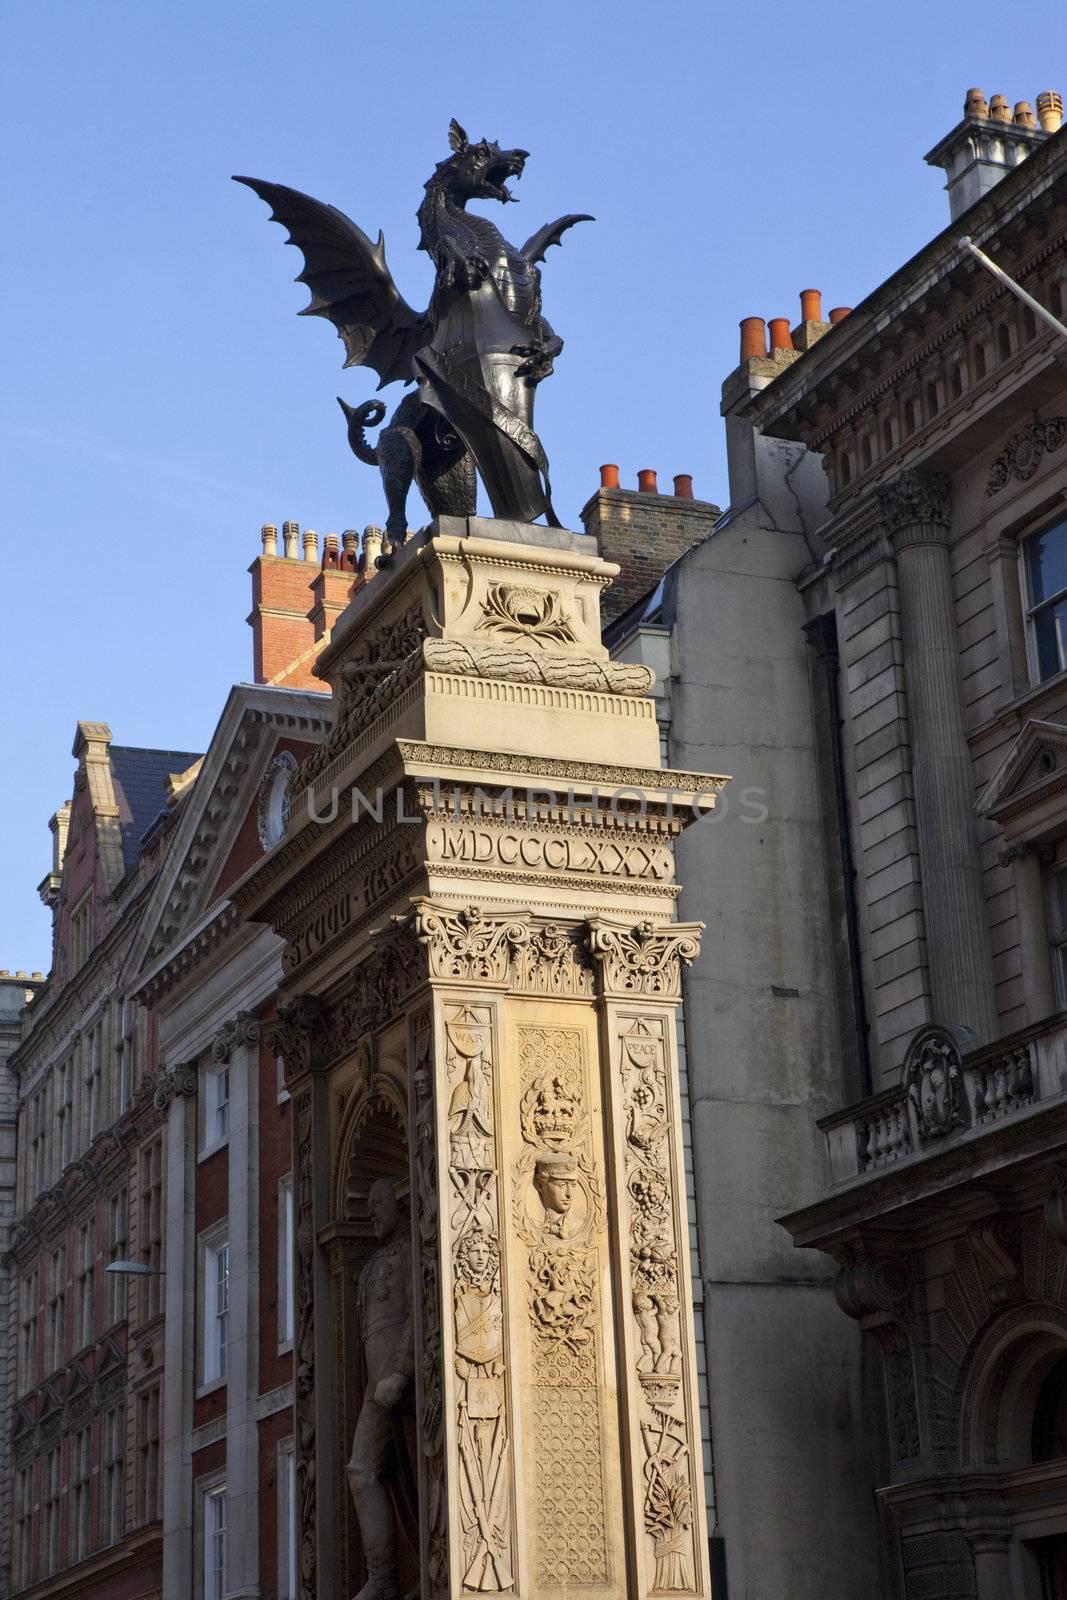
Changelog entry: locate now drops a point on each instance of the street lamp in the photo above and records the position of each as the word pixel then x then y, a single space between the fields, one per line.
pixel 134 1269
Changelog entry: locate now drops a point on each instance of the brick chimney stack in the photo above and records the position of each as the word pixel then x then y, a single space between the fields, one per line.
pixel 281 601
pixel 643 531
pixel 297 598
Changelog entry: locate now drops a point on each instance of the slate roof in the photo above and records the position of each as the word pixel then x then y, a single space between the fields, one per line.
pixel 140 780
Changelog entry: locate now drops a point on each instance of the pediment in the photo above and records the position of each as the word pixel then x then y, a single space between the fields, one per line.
pixel 219 808
pixel 1033 773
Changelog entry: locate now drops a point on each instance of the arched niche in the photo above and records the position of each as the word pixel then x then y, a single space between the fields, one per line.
pixel 1001 1382
pixel 371 1143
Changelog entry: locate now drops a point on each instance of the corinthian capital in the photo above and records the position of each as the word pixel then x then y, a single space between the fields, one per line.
pixel 916 499
pixel 645 959
pixel 468 945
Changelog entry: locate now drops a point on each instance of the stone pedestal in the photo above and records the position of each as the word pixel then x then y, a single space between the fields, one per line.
pixel 476 892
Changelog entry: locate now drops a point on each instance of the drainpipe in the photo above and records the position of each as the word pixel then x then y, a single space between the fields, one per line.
pixel 821 634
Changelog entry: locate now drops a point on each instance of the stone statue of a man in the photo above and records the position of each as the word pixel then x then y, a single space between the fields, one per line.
pixel 384 1305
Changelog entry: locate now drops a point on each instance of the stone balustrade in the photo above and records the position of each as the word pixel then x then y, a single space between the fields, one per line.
pixel 1012 1077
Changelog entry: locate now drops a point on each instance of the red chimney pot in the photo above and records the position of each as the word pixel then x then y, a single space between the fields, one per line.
pixel 753 338
pixel 683 486
pixel 839 313
pixel 781 338
pixel 810 305
pixel 609 476
pixel 646 481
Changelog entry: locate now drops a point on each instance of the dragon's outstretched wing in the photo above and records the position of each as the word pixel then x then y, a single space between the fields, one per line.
pixel 552 233
pixel 349 282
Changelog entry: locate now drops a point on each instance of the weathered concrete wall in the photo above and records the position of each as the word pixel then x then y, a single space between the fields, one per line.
pixel 794 1497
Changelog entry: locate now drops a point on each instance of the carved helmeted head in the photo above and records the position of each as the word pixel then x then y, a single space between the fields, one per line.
pixel 478 171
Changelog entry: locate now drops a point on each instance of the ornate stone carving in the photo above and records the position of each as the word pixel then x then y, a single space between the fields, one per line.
pixel 182 1079
pixel 933 1082
pixel 655 1293
pixel 554 961
pixel 867 1284
pixel 1021 456
pixel 901 1399
pixel 484 1444
pixel 646 959
pixel 273 805
pixel 559 1213
pixel 241 1030
pixel 914 498
pixel 297 1036
pixel 527 613
pixel 466 945
pixel 388 659
pixel 516 665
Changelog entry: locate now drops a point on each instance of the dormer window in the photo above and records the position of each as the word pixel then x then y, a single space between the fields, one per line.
pixel 1046 574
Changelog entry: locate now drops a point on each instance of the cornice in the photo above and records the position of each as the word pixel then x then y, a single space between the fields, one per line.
pixel 1029 184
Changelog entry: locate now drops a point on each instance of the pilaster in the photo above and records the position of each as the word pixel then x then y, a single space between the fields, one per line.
pixel 237 1043
pixel 176 1100
pixel 916 510
pixel 1039 993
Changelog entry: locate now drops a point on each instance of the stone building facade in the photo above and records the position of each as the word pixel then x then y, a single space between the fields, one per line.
pixel 932 600
pixel 868 642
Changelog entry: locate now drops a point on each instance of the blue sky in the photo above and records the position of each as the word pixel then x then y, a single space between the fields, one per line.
pixel 162 400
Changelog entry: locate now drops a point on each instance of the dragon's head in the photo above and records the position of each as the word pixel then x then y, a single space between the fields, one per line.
pixel 479 171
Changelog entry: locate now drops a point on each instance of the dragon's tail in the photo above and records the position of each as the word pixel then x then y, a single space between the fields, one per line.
pixel 368 415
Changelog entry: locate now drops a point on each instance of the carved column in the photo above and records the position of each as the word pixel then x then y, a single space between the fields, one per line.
pixel 175 1099
pixel 992 1564
pixel 297 1037
pixel 237 1043
pixel 916 510
pixel 1035 953
pixel 640 987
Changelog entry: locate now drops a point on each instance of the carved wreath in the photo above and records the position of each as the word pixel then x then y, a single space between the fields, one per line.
pixel 1022 454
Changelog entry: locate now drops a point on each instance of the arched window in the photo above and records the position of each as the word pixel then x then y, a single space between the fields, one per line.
pixel 1048 1434
pixel 1003 342
pixel 866 452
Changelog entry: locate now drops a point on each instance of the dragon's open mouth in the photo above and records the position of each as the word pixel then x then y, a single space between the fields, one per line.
pixel 496 176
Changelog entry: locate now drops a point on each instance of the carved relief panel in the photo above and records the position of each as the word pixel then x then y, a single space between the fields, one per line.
pixel 484 1533
pixel 651 1200
pixel 560 1277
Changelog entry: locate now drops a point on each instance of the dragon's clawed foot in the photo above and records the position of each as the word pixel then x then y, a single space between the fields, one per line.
pixel 538 362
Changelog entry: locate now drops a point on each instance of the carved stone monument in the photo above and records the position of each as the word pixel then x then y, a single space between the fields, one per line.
pixel 476 893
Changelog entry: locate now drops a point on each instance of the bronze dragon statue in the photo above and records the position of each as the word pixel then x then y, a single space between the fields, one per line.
pixel 477 353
